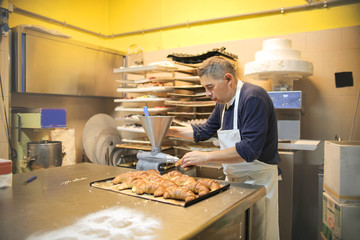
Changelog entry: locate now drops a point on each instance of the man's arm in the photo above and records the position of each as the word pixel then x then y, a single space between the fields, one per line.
pixel 181 132
pixel 229 155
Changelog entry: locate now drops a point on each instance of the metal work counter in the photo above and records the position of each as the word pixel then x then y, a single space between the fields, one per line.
pixel 61 200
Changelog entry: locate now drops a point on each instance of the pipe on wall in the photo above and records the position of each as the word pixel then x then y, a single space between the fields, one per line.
pixel 282 10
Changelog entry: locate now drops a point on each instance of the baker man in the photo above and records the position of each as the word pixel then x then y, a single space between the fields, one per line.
pixel 245 121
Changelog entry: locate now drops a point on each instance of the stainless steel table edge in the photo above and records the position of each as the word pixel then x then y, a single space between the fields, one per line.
pixel 245 206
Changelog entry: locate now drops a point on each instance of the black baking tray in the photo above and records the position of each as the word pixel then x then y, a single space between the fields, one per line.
pixel 106 184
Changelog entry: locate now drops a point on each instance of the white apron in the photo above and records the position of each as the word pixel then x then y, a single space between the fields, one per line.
pixel 265 219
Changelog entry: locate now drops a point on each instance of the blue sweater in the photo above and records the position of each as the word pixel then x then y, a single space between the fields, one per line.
pixel 256 122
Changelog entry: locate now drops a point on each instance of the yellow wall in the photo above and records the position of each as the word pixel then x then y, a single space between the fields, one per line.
pixel 118 16
pixel 88 14
pixel 130 15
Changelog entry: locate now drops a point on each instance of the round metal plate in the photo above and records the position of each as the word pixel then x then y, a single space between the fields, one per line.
pixel 99 132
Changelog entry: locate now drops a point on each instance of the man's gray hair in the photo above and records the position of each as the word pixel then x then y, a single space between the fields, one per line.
pixel 216 67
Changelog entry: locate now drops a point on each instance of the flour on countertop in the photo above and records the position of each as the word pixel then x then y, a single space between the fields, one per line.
pixel 74 180
pixel 111 223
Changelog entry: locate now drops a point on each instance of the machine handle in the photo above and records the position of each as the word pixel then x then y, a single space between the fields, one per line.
pixel 19 127
pixel 33 157
pixel 146 111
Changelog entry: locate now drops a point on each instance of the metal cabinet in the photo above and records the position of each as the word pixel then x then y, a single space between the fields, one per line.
pixel 48 64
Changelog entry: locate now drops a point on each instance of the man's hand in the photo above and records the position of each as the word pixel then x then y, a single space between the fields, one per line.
pixel 194 158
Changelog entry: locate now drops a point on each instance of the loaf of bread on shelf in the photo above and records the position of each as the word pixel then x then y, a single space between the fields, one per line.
pixel 179 193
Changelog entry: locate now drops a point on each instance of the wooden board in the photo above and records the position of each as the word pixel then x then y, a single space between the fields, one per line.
pixel 146 89
pixel 138 146
pixel 151 110
pixel 191 103
pixel 136 100
pixel 191 96
pixel 106 184
pixel 145 69
pixel 197 148
pixel 202 94
pixel 187 71
pixel 188 79
pixel 146 80
pixel 188 87
pixel 189 113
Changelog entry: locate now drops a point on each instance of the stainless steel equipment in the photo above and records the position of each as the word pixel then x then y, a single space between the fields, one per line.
pixel 288 106
pixel 155 128
pixel 49 64
pixel 33 125
pixel 44 154
pixel 100 137
pixel 67 188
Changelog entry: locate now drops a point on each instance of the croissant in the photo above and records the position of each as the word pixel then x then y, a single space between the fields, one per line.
pixel 153 177
pixel 180 162
pixel 183 180
pixel 172 174
pixel 139 187
pixel 154 188
pixel 179 193
pixel 140 174
pixel 163 184
pixel 153 171
pixel 174 184
pixel 129 183
pixel 198 188
pixel 167 183
pixel 211 184
pixel 122 177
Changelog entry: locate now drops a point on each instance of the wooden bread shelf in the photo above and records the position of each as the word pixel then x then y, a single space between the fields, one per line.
pixel 196 95
pixel 191 103
pixel 146 80
pixel 162 109
pixel 141 100
pixel 190 113
pixel 146 89
pixel 188 87
pixel 131 129
pixel 142 70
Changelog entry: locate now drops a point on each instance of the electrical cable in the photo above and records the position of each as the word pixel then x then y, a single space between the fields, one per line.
pixel 355 113
pixel 5 116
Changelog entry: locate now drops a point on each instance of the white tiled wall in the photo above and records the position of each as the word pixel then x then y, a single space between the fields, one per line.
pixel 327 110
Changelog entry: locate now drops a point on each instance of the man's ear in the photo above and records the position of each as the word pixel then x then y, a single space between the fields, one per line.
pixel 229 78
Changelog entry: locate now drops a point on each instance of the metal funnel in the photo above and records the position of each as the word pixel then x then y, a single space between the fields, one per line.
pixel 156 128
